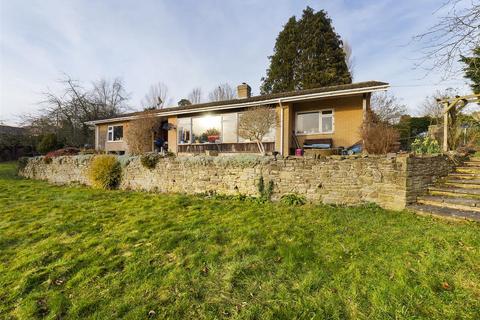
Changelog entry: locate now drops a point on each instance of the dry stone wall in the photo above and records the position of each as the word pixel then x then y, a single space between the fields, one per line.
pixel 391 182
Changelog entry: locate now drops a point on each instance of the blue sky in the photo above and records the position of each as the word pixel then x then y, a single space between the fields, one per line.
pixel 187 44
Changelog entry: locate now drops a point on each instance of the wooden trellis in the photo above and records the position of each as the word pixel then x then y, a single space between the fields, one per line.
pixel 451 106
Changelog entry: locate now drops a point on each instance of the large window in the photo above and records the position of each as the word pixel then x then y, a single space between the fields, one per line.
pixel 314 122
pixel 115 133
pixel 184 130
pixel 229 128
pixel 212 129
pixel 206 129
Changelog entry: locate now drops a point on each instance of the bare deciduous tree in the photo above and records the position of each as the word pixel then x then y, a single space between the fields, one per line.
pixel 66 113
pixel 456 33
pixel 255 123
pixel 222 92
pixel 195 96
pixel 431 108
pixel 140 133
pixel 349 59
pixel 157 97
pixel 387 107
pixel 109 96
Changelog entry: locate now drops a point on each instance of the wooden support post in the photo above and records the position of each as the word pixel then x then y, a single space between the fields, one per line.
pixel 453 105
pixel 445 127
pixel 152 135
pixel 364 107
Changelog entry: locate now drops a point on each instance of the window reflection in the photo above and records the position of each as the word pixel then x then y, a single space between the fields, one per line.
pixel 213 129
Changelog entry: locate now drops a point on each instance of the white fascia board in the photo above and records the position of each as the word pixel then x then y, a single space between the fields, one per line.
pixel 304 97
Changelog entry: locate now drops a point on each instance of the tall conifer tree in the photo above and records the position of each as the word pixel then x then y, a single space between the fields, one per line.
pixel 308 53
pixel 472 69
pixel 280 75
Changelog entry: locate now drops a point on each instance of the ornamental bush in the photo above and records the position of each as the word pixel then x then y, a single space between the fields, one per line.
pixel 149 160
pixel 69 151
pixel 426 146
pixel 104 172
pixel 378 137
pixel 293 199
pixel 265 191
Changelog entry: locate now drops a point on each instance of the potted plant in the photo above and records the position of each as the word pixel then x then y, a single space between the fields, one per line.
pixel 212 135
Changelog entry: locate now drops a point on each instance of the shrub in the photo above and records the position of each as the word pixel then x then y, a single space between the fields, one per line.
pixel 22 163
pixel 139 134
pixel 104 172
pixel 125 160
pixel 426 146
pixel 47 160
pixel 149 160
pixel 293 199
pixel 69 151
pixel 378 137
pixel 265 192
pixel 48 143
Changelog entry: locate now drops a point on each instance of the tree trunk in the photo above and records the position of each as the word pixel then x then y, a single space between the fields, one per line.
pixel 261 148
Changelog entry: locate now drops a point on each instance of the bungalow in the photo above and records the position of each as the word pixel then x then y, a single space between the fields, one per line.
pixel 334 114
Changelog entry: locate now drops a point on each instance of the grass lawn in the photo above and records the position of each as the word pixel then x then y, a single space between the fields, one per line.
pixel 74 252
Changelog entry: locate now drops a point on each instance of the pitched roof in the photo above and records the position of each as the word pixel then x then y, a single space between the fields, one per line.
pixel 344 89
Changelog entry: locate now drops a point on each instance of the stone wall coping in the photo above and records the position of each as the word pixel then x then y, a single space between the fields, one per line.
pixel 265 159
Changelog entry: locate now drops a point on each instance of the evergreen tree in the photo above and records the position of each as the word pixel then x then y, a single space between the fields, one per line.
pixel 280 75
pixel 184 103
pixel 308 53
pixel 472 69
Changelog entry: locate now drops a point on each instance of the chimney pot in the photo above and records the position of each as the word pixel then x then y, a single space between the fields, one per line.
pixel 244 91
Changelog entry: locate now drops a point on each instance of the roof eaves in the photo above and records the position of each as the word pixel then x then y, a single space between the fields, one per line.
pixel 238 103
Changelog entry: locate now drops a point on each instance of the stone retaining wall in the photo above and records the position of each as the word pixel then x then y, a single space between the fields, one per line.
pixel 391 182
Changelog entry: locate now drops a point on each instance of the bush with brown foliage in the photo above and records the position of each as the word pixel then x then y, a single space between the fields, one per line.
pixel 69 151
pixel 378 137
pixel 140 134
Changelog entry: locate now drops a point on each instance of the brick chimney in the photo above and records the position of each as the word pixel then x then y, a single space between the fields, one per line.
pixel 244 91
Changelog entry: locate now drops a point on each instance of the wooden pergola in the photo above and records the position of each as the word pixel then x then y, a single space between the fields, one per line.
pixel 450 108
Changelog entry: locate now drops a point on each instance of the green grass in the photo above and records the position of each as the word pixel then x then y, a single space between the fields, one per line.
pixel 74 252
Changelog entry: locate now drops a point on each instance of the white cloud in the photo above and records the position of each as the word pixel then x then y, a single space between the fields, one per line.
pixel 186 44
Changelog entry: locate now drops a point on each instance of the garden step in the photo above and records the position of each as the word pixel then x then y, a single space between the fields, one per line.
pixel 472 180
pixel 468 184
pixel 472 163
pixel 451 202
pixel 474 170
pixel 463 176
pixel 454 191
pixel 443 212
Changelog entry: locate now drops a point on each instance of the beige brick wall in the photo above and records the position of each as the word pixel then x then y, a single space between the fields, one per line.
pixel 348 118
pixel 112 146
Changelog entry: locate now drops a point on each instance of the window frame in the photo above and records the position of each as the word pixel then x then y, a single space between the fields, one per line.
pixel 236 127
pixel 237 119
pixel 190 127
pixel 320 121
pixel 110 129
